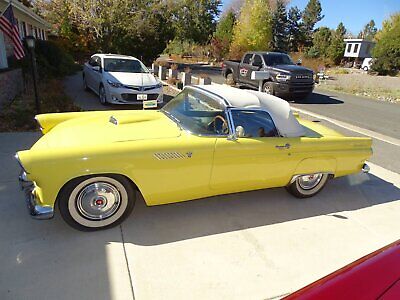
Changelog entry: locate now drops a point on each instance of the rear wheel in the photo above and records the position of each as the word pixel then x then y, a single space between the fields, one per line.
pixel 97 202
pixel 268 88
pixel 229 80
pixel 307 185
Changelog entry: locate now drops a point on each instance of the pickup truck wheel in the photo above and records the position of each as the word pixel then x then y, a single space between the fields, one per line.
pixel 229 80
pixel 268 88
pixel 103 95
pixel 97 202
pixel 307 185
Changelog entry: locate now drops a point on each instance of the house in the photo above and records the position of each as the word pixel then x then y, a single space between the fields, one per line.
pixel 358 48
pixel 29 23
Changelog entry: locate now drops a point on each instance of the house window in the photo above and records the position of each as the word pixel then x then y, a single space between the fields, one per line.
pixel 349 47
pixel 356 48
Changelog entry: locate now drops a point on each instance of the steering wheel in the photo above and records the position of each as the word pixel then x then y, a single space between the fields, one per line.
pixel 223 129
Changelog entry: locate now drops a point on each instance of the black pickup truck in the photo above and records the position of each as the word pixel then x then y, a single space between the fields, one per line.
pixel 284 78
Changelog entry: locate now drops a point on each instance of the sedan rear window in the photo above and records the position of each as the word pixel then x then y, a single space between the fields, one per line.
pixel 124 65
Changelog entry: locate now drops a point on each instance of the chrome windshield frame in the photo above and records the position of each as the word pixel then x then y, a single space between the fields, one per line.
pixel 215 97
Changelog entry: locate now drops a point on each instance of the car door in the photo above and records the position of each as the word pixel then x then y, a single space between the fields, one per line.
pixel 258 158
pixel 256 65
pixel 244 68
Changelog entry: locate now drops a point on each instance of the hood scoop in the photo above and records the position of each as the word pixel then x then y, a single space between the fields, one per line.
pixel 121 120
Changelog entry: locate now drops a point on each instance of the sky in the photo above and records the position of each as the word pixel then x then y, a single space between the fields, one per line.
pixel 353 13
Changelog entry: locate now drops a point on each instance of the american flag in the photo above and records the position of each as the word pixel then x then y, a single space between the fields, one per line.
pixel 9 26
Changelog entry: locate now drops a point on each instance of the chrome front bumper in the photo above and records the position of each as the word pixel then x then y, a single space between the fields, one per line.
pixel 37 211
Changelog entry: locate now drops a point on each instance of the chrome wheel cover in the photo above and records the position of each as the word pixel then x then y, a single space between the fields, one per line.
pixel 81 199
pixel 98 201
pixel 310 181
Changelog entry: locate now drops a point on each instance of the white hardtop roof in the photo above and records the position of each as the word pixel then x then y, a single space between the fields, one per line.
pixel 278 108
pixel 110 55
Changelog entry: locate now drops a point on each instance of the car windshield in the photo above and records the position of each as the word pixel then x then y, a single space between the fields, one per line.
pixel 197 113
pixel 124 65
pixel 277 59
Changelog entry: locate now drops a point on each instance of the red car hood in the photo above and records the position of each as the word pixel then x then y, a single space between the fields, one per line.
pixel 375 276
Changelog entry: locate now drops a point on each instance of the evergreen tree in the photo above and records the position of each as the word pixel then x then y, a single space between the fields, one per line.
pixel 386 52
pixel 336 49
pixel 280 27
pixel 369 31
pixel 295 35
pixel 311 15
pixel 321 42
pixel 223 35
pixel 253 30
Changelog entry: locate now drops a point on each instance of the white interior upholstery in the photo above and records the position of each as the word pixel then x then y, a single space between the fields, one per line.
pixel 278 108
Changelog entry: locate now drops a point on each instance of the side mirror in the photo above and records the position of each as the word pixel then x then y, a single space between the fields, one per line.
pixel 151 71
pixel 298 62
pixel 96 68
pixel 239 131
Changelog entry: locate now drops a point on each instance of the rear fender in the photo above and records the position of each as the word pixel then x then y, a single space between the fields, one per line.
pixel 316 165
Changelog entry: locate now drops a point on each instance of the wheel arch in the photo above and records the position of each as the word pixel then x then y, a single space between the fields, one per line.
pixel 83 177
pixel 316 165
pixel 228 71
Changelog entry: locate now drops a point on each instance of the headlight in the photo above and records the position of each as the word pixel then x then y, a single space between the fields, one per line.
pixel 282 77
pixel 115 84
pixel 159 85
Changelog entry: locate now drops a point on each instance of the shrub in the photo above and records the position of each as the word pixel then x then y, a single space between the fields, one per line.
pixel 387 50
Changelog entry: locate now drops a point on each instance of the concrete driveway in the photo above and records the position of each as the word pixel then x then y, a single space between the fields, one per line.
pixel 253 245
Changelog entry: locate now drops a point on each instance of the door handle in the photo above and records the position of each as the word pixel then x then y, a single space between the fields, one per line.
pixel 281 147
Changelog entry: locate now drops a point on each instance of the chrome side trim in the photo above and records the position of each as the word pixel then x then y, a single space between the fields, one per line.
pixel 39 212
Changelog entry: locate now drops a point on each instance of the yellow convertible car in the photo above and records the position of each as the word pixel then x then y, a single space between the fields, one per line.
pixel 207 141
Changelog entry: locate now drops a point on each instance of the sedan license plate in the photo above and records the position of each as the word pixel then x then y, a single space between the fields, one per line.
pixel 142 97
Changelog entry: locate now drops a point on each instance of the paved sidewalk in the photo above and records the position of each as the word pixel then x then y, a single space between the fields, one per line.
pixel 253 245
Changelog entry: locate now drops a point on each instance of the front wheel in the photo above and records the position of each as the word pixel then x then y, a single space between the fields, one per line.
pixel 97 202
pixel 308 185
pixel 103 95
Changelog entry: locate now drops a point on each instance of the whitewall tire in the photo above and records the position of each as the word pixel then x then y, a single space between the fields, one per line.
pixel 307 185
pixel 96 202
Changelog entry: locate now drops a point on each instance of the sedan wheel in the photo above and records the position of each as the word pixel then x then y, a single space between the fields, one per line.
pixel 307 185
pixel 93 203
pixel 103 95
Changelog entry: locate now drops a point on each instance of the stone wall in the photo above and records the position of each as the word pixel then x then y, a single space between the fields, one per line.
pixel 10 85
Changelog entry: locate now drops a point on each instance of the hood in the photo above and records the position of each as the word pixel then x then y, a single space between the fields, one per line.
pixel 100 128
pixel 294 69
pixel 137 79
